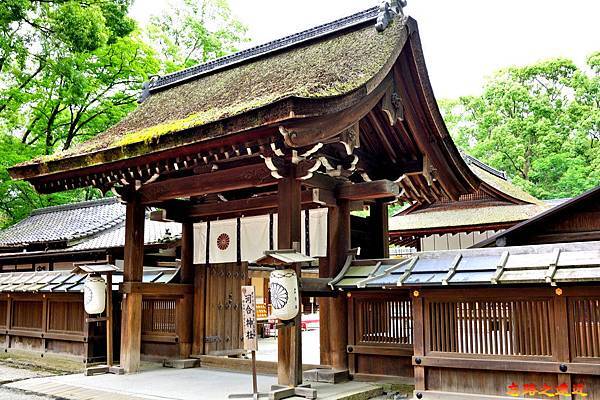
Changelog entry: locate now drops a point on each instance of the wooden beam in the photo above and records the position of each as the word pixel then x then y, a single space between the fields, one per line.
pixel 173 289
pixel 253 175
pixel 310 131
pixel 368 190
pixel 254 205
pixel 131 323
pixel 316 287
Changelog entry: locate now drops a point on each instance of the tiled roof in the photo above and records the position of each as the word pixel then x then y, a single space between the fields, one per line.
pixel 548 264
pixel 64 223
pixel 90 225
pixel 64 281
pixel 154 232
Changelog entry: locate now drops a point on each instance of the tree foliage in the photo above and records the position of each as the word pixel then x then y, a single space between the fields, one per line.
pixel 196 32
pixel 70 69
pixel 540 123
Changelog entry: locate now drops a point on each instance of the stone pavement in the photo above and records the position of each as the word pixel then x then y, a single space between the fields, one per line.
pixel 175 384
pixel 10 374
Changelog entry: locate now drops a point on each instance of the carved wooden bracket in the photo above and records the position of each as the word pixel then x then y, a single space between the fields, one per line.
pixel 391 105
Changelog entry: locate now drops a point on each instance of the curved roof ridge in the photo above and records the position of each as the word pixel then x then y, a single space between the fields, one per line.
pixel 469 159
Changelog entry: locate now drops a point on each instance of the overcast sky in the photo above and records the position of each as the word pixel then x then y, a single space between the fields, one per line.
pixel 463 40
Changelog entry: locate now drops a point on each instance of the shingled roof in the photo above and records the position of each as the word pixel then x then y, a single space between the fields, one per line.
pixel 95 224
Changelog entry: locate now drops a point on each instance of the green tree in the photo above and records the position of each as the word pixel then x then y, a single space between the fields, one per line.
pixel 540 123
pixel 194 32
pixel 69 69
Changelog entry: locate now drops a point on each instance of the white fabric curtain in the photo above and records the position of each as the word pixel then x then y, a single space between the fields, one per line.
pixel 254 237
pixel 223 241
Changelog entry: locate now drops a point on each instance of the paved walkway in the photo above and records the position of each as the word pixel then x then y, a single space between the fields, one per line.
pixel 172 384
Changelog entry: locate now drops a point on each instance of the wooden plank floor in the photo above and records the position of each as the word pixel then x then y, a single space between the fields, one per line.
pixel 61 390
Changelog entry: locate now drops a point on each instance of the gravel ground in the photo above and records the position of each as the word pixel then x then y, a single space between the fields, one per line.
pixel 9 394
pixel 10 374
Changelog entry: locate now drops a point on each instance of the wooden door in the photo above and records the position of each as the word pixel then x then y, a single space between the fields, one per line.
pixel 223 308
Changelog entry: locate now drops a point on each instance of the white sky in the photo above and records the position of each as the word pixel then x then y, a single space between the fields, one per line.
pixel 463 40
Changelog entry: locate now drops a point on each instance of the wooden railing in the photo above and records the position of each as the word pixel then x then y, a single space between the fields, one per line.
pixel 584 316
pixel 383 321
pixel 493 327
pixel 159 316
pixel 380 333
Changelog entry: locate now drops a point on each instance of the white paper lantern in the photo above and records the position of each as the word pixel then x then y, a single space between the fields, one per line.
pixel 94 294
pixel 284 294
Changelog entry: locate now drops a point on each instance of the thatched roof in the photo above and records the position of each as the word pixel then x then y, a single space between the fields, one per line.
pixel 453 216
pixel 327 61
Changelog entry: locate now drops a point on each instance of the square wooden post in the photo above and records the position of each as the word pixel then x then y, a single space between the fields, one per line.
pixel 334 321
pixel 131 322
pixel 186 272
pixel 289 234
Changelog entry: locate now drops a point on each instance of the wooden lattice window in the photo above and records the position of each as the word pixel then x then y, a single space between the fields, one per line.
pixel 3 312
pixel 584 317
pixel 66 316
pixel 487 327
pixel 27 315
pixel 384 321
pixel 159 316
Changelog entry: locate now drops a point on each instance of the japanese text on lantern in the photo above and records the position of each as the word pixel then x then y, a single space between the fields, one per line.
pixel 249 318
pixel 529 390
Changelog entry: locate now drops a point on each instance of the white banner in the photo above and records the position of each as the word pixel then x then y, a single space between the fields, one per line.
pixel 254 237
pixel 223 241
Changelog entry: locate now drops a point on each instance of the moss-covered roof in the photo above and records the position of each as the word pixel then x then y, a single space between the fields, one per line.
pixel 330 66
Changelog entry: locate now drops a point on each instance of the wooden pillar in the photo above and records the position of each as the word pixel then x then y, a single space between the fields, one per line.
pixel 562 346
pixel 187 253
pixel 418 339
pixel 289 233
pixel 188 302
pixel 334 319
pixel 131 322
pixel 199 310
pixel 379 230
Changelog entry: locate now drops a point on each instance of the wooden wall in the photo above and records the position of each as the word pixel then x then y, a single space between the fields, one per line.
pixel 485 341
pixel 380 334
pixel 48 323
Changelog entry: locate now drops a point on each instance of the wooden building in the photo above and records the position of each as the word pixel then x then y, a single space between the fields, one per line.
pixel 338 115
pixel 517 320
pixel 54 238
pixel 41 301
pixel 447 224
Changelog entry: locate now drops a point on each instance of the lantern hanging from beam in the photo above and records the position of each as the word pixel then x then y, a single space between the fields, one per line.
pixel 284 294
pixel 94 294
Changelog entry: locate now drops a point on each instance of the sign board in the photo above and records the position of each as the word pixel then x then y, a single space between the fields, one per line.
pixel 249 318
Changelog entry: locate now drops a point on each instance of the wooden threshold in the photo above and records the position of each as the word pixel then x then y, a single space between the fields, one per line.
pixel 242 364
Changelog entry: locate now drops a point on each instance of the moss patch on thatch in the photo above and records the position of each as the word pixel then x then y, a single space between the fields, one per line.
pixel 330 67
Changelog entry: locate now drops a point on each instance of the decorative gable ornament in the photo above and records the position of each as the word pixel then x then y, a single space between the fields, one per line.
pixel 387 11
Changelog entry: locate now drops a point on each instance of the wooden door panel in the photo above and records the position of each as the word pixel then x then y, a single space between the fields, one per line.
pixel 223 307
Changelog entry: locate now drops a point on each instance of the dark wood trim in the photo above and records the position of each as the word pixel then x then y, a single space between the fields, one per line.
pixel 382 189
pixel 171 289
pixel 397 351
pixel 253 175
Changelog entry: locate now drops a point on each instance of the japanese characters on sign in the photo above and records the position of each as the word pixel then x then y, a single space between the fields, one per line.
pixel 529 389
pixel 249 318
